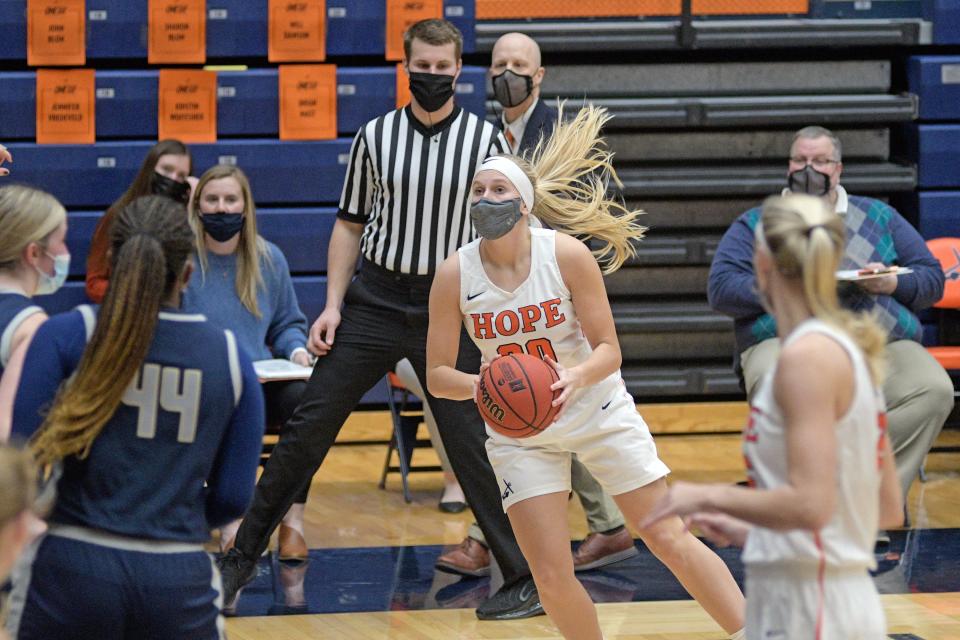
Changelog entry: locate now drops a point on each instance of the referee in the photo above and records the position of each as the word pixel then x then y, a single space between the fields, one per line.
pixel 404 209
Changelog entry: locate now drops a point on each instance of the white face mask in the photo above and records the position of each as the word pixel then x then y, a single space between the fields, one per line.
pixel 50 284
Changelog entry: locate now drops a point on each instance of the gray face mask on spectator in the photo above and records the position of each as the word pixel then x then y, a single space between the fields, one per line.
pixel 809 181
pixel 510 89
pixel 494 220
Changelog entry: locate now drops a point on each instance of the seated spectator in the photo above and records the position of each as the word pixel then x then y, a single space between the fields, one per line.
pixel 452 500
pixel 243 284
pixel 918 392
pixel 34 260
pixel 165 171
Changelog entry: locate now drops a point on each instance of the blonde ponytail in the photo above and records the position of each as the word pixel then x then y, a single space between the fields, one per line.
pixel 806 241
pixel 570 172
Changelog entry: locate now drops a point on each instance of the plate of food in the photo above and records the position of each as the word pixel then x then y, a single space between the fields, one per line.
pixel 852 275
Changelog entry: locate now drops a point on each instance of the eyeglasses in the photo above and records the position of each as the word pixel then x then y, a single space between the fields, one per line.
pixel 818 163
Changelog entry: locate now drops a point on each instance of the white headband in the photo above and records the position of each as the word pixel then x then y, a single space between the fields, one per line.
pixel 514 174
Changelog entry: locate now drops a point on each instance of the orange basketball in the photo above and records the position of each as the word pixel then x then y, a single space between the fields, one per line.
pixel 514 395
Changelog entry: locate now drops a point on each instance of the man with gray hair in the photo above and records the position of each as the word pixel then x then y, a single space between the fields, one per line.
pixel 918 392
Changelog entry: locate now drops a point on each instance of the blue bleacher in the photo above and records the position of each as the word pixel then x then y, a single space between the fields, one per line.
pixel 247 105
pixel 85 176
pixel 301 233
pixel 235 28
pixel 857 9
pixel 936 81
pixel 936 150
pixel 939 214
pixel 945 16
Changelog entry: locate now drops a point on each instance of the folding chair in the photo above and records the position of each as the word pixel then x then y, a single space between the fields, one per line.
pixel 406 413
pixel 947 251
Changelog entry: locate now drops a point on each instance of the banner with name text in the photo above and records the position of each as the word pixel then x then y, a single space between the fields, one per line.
pixel 187 108
pixel 403 13
pixel 56 33
pixel 297 31
pixel 177 32
pixel 308 102
pixel 66 103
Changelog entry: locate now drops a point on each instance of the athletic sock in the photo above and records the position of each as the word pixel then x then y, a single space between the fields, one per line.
pixel 739 635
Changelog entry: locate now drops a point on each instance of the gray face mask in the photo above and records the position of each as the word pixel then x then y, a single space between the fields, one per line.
pixel 493 220
pixel 810 181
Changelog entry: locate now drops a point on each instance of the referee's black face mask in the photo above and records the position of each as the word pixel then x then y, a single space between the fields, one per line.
pixel 431 90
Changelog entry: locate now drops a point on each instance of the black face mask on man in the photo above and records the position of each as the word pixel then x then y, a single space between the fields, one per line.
pixel 222 226
pixel 809 181
pixel 510 89
pixel 494 220
pixel 431 90
pixel 161 185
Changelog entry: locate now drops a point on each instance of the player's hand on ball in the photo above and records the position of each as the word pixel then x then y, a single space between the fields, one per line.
pixel 484 365
pixel 323 331
pixel 719 528
pixel 569 381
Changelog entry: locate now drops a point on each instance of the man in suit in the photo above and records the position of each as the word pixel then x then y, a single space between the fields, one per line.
pixel 516 74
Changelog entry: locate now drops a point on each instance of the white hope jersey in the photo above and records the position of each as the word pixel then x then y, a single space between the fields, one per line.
pixel 536 318
pixel 848 539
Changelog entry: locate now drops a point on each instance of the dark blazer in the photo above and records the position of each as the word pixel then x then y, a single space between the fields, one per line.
pixel 541 122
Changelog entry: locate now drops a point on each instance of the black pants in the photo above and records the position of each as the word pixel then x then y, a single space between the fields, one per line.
pixel 384 319
pixel 282 399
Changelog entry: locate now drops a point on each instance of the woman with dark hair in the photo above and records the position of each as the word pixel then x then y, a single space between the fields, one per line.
pixel 154 442
pixel 165 171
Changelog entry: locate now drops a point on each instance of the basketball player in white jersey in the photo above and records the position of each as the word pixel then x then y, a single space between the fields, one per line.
pixel 818 459
pixel 539 291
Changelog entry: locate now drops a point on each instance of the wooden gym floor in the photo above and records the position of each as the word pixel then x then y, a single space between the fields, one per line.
pixel 347 513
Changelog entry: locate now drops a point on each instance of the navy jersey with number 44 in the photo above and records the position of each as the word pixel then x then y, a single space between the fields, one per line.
pixel 179 456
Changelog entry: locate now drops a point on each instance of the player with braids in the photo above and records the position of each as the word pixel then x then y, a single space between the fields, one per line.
pixel 818 458
pixel 152 420
pixel 514 265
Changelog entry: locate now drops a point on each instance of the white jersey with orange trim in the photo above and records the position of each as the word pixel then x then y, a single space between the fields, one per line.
pixel 538 317
pixel 847 541
pixel 600 424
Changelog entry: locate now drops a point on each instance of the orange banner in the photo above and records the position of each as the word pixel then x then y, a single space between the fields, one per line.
pixel 753 7
pixel 403 86
pixel 533 9
pixel 66 106
pixel 298 31
pixel 56 32
pixel 187 108
pixel 177 32
pixel 308 102
pixel 403 13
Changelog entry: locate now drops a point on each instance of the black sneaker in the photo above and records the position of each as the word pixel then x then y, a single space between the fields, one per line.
pixel 236 571
pixel 515 602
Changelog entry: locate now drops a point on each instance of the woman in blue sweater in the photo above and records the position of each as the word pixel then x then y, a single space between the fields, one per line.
pixel 243 284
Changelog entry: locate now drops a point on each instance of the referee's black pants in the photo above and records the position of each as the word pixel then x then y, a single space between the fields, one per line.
pixel 384 319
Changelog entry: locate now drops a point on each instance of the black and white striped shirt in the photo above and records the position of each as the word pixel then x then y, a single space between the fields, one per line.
pixel 410 185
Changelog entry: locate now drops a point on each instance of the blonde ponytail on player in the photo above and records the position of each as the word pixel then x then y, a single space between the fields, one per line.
pixel 151 241
pixel 806 241
pixel 571 172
